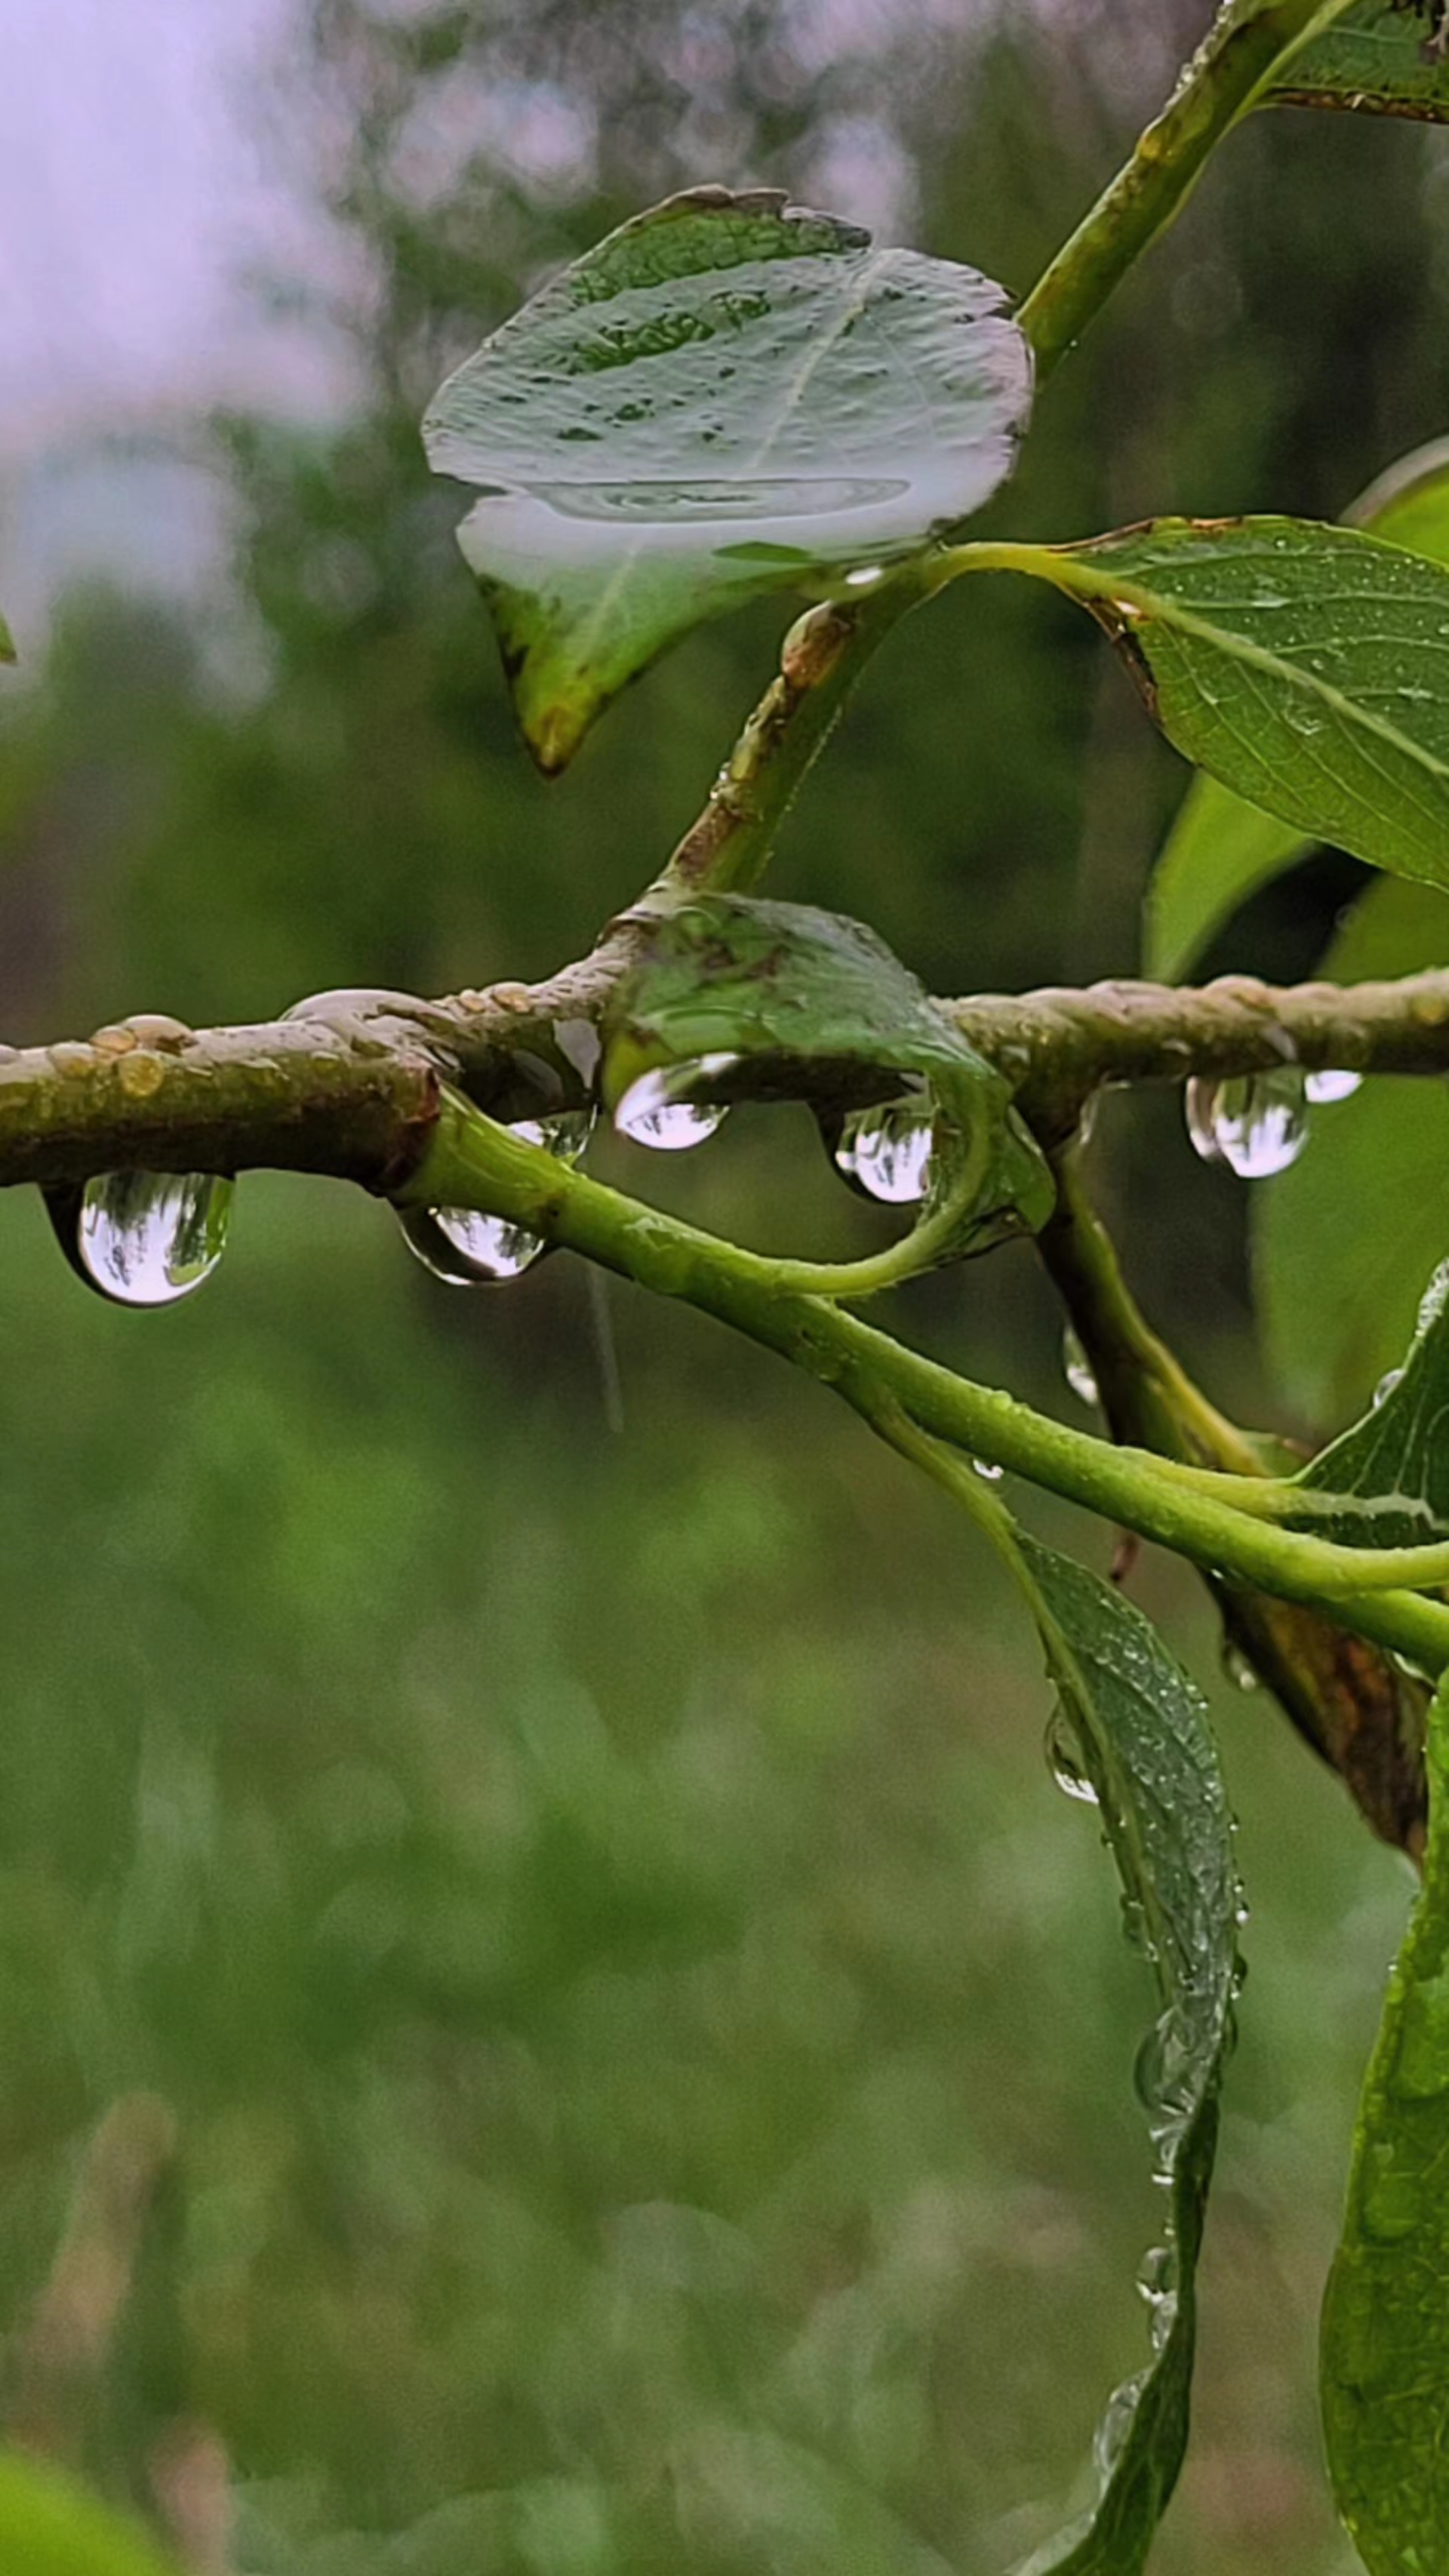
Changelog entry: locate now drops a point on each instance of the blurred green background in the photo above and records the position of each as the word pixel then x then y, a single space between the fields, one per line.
pixel 552 2020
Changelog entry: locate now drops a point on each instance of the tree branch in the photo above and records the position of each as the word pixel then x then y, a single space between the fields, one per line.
pixel 349 1084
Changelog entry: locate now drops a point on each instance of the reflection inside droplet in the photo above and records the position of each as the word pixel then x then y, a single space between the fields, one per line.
pixel 886 1151
pixel 467 1248
pixel 1064 1758
pixel 1256 1123
pixel 150 1238
pixel 1077 1368
pixel 660 1110
pixel 1334 1082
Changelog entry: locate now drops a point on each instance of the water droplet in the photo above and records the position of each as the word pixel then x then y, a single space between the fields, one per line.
pixel 988 1470
pixel 1385 1388
pixel 1064 1758
pixel 1164 2078
pixel 1158 2273
pixel 1116 2423
pixel 467 1248
pixel 658 1111
pixel 1237 1669
pixel 886 1151
pixel 1334 1082
pixel 1077 1368
pixel 1256 1122
pixel 149 1238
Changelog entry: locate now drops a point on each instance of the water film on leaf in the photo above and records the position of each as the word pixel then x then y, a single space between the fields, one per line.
pixel 728 395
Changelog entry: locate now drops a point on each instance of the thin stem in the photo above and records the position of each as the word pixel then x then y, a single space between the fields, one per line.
pixel 474 1163
pixel 1216 88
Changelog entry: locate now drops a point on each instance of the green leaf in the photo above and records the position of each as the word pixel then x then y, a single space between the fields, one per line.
pixel 727 396
pixel 822 1010
pixel 1138 1731
pixel 7 643
pixel 49 2527
pixel 1305 666
pixel 1343 1242
pixel 1381 56
pixel 1385 1481
pixel 1220 849
pixel 1385 2347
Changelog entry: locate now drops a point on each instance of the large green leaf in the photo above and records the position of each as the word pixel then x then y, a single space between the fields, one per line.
pixel 1385 2353
pixel 726 396
pixel 1138 1732
pixel 1221 849
pixel 1382 56
pixel 1305 666
pixel 48 2527
pixel 1343 1242
pixel 780 999
pixel 1385 1481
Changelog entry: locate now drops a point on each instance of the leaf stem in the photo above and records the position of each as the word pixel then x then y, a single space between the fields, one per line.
pixel 472 1162
pixel 1248 38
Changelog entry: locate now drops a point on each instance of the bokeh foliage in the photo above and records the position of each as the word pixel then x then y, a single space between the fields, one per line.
pixel 632 2018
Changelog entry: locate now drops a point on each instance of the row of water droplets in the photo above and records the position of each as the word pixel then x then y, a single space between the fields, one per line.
pixel 145 1238
pixel 1257 1123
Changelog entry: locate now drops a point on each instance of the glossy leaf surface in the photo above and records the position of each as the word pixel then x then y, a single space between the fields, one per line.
pixel 1382 57
pixel 1385 2351
pixel 727 396
pixel 1344 1242
pixel 1141 1738
pixel 1385 1481
pixel 1305 666
pixel 1221 849
pixel 821 1007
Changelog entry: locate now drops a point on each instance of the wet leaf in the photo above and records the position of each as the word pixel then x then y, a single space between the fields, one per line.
pixel 1139 1733
pixel 727 396
pixel 1305 666
pixel 1343 1243
pixel 1385 2347
pixel 49 2527
pixel 1385 1481
pixel 823 1011
pixel 1382 57
pixel 1220 849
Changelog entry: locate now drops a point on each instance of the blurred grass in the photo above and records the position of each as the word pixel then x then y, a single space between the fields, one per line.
pixel 650 2054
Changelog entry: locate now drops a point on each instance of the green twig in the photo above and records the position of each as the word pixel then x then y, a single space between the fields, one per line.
pixel 472 1162
pixel 1218 86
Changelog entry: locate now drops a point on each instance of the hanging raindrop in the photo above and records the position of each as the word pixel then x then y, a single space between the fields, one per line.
pixel 658 1111
pixel 1255 1122
pixel 886 1151
pixel 1333 1083
pixel 1385 1388
pixel 1077 1368
pixel 1064 1758
pixel 145 1238
pixel 467 1248
pixel 1237 1669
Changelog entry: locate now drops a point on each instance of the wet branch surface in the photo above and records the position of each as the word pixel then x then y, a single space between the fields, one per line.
pixel 349 1086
